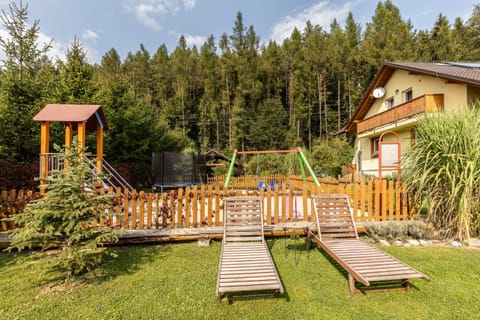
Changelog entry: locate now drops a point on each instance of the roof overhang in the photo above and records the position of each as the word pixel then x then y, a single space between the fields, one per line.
pixel 92 115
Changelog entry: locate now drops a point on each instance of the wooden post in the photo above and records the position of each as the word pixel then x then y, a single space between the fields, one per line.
pixel 99 148
pixel 269 206
pixel 188 198
pixel 362 200
pixel 370 199
pixel 81 131
pixel 44 149
pixel 217 205
pixel 149 210
pixel 179 222
pixel 210 205
pixel 378 193
pixel 398 206
pixel 125 209
pixel 142 209
pixel 195 206
pixel 275 204
pixel 134 208
pixel 68 134
pixel 202 204
pixel 3 214
pixel 305 205
pixel 291 214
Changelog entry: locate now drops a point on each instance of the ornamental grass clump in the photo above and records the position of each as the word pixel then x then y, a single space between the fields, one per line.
pixel 443 170
pixel 69 216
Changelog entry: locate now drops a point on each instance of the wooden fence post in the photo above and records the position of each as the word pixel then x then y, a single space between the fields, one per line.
pixel 134 209
pixel 125 208
pixel 195 206
pixel 142 210
pixel 217 205
pixel 179 220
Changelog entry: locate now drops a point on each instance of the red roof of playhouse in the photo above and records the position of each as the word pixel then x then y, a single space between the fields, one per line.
pixel 91 114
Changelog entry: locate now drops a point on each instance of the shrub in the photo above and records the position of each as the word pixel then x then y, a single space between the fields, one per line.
pixel 69 216
pixel 443 170
pixel 395 230
pixel 416 229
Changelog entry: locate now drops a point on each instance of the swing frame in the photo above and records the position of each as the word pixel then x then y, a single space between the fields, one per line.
pixel 302 161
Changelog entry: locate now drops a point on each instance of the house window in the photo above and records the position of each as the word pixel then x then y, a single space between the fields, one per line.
pixel 413 137
pixel 407 95
pixel 389 103
pixel 374 147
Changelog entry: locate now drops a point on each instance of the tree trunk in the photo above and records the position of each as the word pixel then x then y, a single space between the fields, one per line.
pixel 218 134
pixel 325 107
pixel 229 113
pixel 339 115
pixel 291 113
pixel 320 101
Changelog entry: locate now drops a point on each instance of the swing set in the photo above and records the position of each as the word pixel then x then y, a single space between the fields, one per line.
pixel 302 161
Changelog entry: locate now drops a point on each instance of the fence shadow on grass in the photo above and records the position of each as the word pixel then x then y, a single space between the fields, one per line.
pixel 129 259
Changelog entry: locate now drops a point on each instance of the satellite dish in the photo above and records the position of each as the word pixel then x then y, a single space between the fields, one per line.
pixel 378 92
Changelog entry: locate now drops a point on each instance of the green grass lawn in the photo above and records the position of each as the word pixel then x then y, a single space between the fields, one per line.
pixel 178 281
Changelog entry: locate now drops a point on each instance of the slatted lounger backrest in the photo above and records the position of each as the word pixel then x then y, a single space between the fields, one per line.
pixel 334 217
pixel 243 219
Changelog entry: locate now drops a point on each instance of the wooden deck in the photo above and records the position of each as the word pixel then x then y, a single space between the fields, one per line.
pixel 364 263
pixel 245 262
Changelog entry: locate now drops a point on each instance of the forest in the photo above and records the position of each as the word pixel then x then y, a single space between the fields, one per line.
pixel 235 92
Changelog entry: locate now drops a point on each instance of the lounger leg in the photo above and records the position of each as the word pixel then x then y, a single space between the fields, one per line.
pixel 406 284
pixel 351 284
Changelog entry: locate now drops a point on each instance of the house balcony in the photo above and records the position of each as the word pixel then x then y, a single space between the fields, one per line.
pixel 404 111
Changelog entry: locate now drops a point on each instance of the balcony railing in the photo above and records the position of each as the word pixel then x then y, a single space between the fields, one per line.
pixel 425 103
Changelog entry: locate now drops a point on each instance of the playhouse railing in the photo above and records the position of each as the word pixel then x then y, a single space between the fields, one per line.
pixel 56 161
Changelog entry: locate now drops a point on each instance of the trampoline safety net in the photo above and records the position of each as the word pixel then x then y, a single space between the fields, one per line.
pixel 175 170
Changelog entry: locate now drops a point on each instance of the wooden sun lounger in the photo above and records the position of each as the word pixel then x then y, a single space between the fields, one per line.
pixel 337 235
pixel 245 262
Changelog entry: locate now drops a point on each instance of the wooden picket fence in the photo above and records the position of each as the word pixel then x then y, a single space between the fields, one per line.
pixel 202 206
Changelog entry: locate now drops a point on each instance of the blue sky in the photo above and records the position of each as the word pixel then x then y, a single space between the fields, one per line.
pixel 124 24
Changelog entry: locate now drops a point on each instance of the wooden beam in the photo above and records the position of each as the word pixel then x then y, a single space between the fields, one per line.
pixel 68 134
pixel 99 148
pixel 44 149
pixel 81 136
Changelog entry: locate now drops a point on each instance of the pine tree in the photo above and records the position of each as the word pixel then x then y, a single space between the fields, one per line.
pixel 441 40
pixel 69 216
pixel 210 112
pixel 76 75
pixel 473 26
pixel 20 89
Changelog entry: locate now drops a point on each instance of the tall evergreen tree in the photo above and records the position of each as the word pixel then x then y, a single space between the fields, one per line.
pixel 76 85
pixel 441 40
pixel 461 42
pixel 473 25
pixel 210 111
pixel 21 91
pixel 387 38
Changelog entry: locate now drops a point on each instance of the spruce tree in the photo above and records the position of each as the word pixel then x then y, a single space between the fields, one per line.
pixel 70 216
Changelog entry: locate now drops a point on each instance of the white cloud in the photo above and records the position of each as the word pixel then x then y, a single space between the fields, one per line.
pixel 194 40
pixel 191 40
pixel 321 13
pixel 90 35
pixel 189 4
pixel 149 12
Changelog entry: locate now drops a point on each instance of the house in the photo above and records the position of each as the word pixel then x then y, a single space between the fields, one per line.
pixel 399 94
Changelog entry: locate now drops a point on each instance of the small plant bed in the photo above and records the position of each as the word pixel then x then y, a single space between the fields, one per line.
pixel 177 281
pixel 410 233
